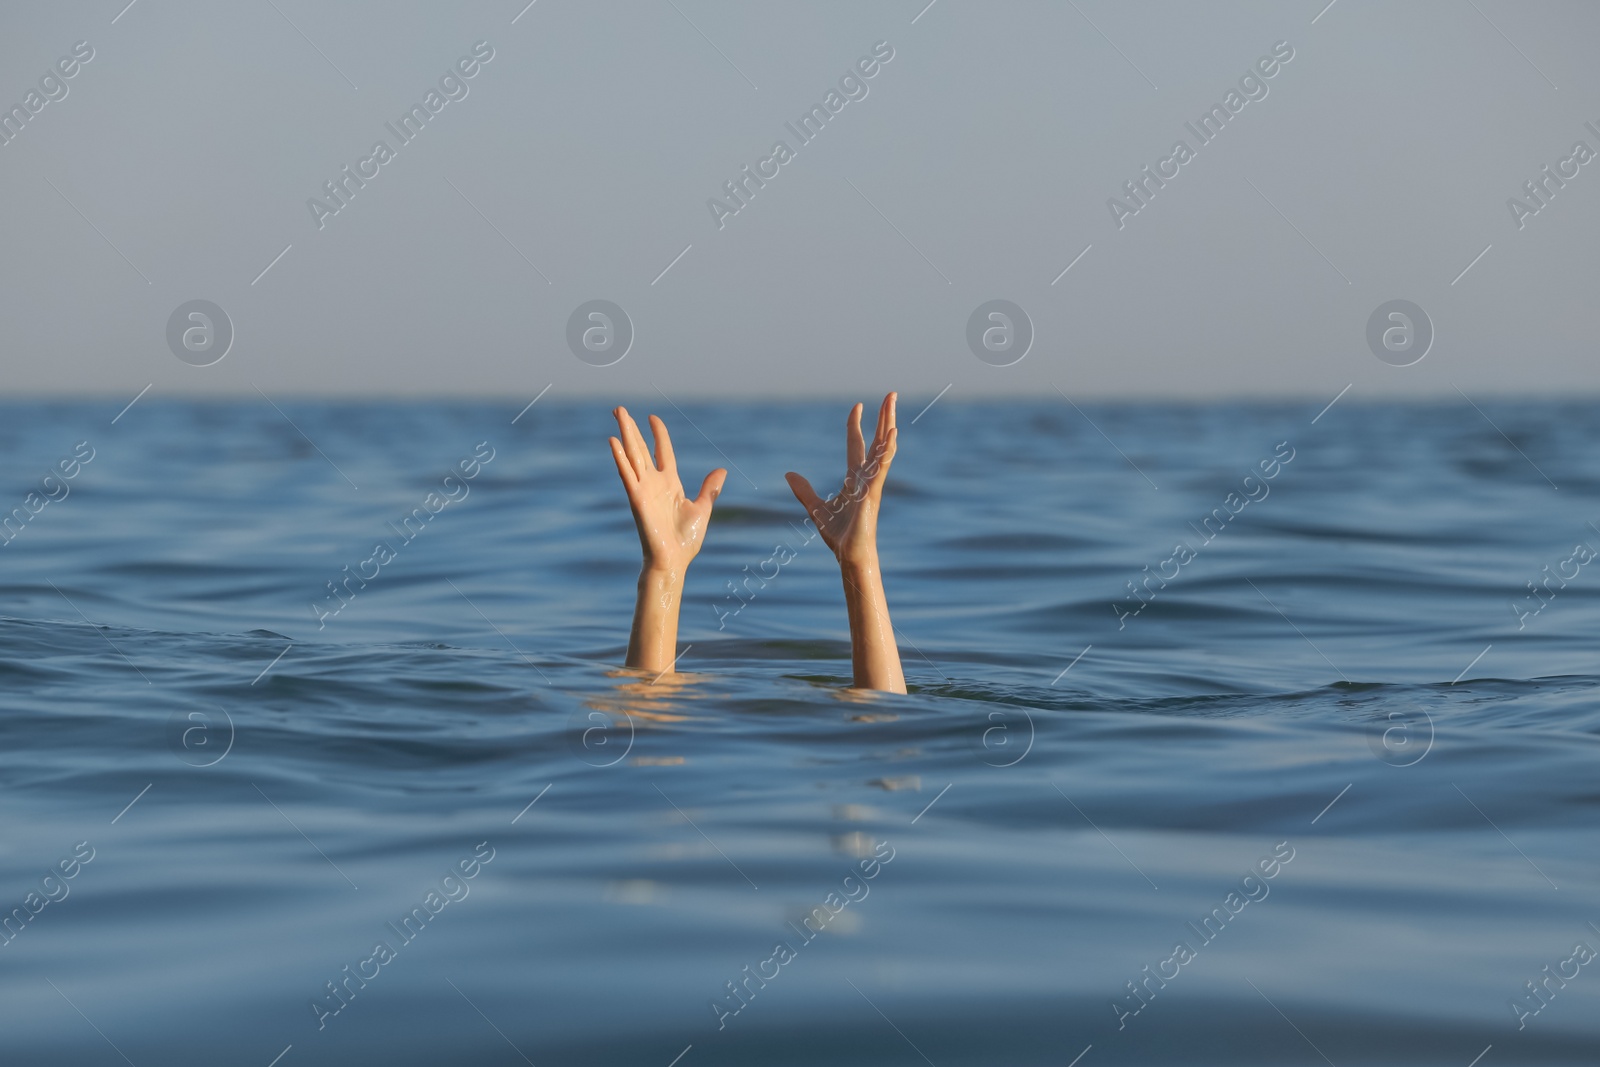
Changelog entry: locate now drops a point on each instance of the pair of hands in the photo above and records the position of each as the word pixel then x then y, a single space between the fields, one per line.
pixel 672 527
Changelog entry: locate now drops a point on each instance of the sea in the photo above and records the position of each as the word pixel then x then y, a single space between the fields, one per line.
pixel 1237 733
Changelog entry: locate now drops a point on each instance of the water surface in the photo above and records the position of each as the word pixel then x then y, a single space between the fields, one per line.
pixel 1348 668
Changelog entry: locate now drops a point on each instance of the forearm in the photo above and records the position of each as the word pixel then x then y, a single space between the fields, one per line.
pixel 652 646
pixel 874 656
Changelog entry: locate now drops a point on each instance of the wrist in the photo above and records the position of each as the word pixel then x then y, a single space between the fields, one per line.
pixel 660 575
pixel 860 564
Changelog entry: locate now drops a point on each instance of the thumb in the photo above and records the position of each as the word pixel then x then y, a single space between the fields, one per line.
pixel 711 488
pixel 805 494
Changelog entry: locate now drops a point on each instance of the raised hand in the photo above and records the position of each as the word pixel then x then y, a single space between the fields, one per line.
pixel 848 521
pixel 671 528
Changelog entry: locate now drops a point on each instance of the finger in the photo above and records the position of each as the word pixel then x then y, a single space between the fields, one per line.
pixel 711 488
pixel 885 422
pixel 805 494
pixel 856 445
pixel 665 459
pixel 877 468
pixel 633 443
pixel 624 468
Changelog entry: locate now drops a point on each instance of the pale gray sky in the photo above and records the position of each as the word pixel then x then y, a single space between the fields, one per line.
pixel 978 166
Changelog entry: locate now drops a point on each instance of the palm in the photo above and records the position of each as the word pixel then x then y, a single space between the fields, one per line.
pixel 671 526
pixel 669 523
pixel 848 521
pixel 850 517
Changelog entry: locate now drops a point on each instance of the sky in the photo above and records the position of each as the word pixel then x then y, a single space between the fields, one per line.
pixel 983 159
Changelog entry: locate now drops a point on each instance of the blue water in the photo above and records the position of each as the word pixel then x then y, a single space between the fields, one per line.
pixel 1341 674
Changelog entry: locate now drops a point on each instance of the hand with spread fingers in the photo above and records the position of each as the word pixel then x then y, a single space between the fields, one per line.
pixel 848 523
pixel 672 528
